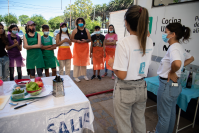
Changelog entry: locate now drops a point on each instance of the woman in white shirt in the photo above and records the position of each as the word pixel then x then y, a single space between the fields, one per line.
pixel 130 65
pixel 169 73
pixel 64 52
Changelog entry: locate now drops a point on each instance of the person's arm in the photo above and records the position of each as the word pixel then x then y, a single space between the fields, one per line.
pixel 38 45
pixel 20 45
pixel 119 63
pixel 46 47
pixel 59 42
pixel 12 46
pixel 175 61
pixel 91 49
pixel 188 61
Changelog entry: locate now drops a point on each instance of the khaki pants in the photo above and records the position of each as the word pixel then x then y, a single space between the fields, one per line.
pixel 67 65
pixel 79 71
pixel 129 100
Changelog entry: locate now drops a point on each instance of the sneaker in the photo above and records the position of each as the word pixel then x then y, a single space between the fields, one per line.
pixel 99 77
pixel 94 76
pixel 105 74
pixel 113 77
pixel 86 78
pixel 77 80
pixel 152 131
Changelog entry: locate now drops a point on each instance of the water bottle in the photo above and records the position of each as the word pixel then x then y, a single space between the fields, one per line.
pixel 183 77
pixel 196 80
pixel 189 81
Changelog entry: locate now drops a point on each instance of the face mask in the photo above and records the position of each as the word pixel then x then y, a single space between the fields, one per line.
pixel 64 29
pixel 32 30
pixel 164 37
pixel 46 33
pixel 97 32
pixel 14 31
pixel 111 31
pixel 80 24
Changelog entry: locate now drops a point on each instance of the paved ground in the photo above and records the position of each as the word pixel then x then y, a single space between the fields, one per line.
pixel 102 105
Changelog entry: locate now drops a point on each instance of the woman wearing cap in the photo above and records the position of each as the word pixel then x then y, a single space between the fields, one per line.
pixel 4 60
pixel 32 42
pixel 64 52
pixel 131 63
pixel 81 38
pixel 14 48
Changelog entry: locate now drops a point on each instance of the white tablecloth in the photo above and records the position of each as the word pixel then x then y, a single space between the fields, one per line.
pixel 71 113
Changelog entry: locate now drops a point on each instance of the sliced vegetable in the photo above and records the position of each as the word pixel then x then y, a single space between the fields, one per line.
pixel 17 91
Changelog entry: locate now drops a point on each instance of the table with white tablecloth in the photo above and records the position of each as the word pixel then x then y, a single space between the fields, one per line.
pixel 67 114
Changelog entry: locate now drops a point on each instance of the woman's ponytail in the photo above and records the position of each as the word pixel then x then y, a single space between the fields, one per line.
pixel 142 28
pixel 186 34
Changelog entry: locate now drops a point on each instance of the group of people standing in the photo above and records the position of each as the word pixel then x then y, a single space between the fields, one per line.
pixel 128 58
pixel 40 50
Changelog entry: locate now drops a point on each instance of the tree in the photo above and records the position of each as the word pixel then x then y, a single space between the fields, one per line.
pixel 1 18
pixel 80 8
pixel 24 19
pixel 55 22
pixel 39 21
pixel 91 24
pixel 12 18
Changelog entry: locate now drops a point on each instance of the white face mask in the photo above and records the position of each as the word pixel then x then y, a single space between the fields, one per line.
pixel 46 33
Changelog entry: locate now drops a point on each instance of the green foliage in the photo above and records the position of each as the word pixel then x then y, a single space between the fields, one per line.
pixel 55 22
pixel 176 1
pixel 12 18
pixel 1 18
pixel 39 21
pixel 24 19
pixel 80 8
pixel 91 24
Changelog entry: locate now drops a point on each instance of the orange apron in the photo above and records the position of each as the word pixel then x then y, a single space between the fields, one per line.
pixel 64 53
pixel 98 60
pixel 110 52
pixel 81 55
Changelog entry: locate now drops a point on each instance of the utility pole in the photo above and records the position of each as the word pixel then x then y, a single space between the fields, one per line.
pixel 94 13
pixel 70 17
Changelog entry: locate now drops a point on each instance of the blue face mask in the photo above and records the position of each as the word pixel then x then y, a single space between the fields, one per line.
pixel 111 31
pixel 164 37
pixel 46 33
pixel 80 24
pixel 14 31
pixel 97 32
pixel 64 29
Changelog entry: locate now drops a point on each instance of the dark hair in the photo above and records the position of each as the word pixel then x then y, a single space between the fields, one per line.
pixel 113 28
pixel 78 20
pixel 97 27
pixel 12 26
pixel 4 37
pixel 138 18
pixel 45 27
pixel 60 33
pixel 180 31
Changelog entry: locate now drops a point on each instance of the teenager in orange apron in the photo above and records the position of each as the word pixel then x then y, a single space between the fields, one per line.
pixel 81 59
pixel 110 44
pixel 97 52
pixel 64 52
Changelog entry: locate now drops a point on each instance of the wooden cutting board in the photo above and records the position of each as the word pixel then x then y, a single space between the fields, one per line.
pixel 3 101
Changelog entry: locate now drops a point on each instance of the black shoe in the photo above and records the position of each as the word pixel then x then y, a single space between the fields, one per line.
pixel 99 77
pixel 93 77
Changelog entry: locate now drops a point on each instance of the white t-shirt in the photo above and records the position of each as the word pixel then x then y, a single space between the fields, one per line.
pixel 63 36
pixel 175 52
pixel 128 56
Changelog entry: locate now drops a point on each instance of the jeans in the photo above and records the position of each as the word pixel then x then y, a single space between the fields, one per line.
pixel 106 70
pixel 19 71
pixel 129 101
pixel 4 68
pixel 166 105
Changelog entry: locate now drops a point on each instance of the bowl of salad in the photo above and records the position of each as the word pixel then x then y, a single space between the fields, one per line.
pixel 33 88
pixel 18 93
